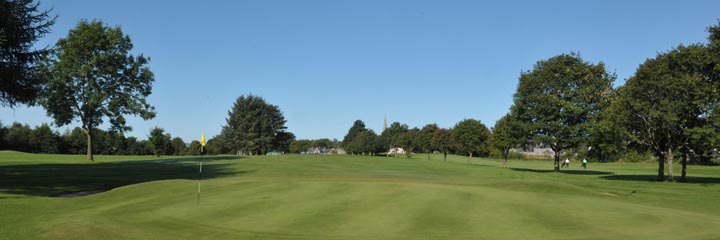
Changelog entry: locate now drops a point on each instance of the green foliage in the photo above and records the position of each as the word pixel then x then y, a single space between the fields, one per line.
pixel 363 143
pixel 606 141
pixel 357 127
pixel 22 23
pixel 160 142
pixel 632 155
pixel 178 146
pixel 360 140
pixel 507 134
pixel 301 145
pixel 558 101
pixel 282 142
pixel 389 137
pixel 45 140
pixel 471 136
pixel 194 149
pixel 17 137
pixel 75 141
pixel 408 140
pixel 255 127
pixel 442 139
pixel 92 76
pixel 323 143
pixel 671 104
pixel 425 138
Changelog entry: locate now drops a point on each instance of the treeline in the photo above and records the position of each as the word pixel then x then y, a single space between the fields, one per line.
pixel 42 139
pixel 468 137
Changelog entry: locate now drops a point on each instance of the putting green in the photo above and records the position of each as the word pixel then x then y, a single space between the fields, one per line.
pixel 349 197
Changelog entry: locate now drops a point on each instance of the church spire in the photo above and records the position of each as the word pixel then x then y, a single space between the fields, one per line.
pixel 385 123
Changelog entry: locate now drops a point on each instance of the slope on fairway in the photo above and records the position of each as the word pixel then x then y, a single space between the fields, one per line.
pixel 352 197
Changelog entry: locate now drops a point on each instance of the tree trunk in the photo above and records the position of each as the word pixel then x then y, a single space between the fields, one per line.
pixel 505 156
pixel 684 166
pixel 557 162
pixel 88 134
pixel 671 175
pixel 661 167
pixel 469 156
pixel 428 155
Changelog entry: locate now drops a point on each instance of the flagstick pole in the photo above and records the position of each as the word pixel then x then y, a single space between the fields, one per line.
pixel 200 174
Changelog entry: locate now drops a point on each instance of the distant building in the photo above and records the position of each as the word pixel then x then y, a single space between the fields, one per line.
pixel 323 151
pixel 539 150
pixel 396 151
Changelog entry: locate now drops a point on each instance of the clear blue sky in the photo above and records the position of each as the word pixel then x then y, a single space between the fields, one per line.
pixel 328 63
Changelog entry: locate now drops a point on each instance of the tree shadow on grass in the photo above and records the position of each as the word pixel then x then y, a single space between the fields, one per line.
pixel 574 172
pixel 54 179
pixel 653 178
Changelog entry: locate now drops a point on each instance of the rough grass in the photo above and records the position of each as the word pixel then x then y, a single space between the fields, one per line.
pixel 349 197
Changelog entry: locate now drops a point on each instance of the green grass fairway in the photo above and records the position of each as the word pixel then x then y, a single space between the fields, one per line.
pixel 349 197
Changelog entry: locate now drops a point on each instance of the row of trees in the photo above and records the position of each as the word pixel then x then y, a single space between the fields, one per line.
pixel 670 108
pixel 470 137
pixel 42 139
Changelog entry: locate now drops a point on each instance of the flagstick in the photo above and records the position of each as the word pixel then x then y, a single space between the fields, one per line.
pixel 200 174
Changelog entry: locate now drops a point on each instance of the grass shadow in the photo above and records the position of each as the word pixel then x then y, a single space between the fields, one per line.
pixel 54 179
pixel 653 178
pixel 575 172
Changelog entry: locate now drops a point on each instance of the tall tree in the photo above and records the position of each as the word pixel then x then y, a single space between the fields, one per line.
pixel 359 139
pixel 255 126
pixel 507 134
pixel 357 127
pixel 470 136
pixel 442 139
pixel 21 24
pixel 92 77
pixel 559 99
pixel 425 137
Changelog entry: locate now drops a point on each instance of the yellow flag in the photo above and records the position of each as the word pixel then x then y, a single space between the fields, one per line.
pixel 202 139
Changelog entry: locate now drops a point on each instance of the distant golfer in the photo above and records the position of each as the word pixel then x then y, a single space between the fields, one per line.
pixel 566 163
pixel 584 163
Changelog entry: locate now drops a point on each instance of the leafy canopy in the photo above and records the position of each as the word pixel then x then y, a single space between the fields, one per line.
pixel 558 101
pixel 92 76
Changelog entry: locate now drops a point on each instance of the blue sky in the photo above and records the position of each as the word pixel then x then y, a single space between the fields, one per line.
pixel 328 63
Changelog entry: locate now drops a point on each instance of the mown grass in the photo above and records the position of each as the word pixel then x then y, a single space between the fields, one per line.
pixel 349 197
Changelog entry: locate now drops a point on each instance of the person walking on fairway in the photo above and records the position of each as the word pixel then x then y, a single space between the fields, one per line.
pixel 566 163
pixel 584 163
